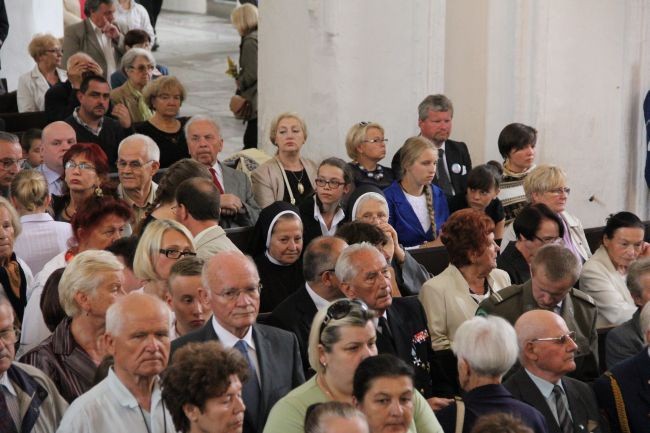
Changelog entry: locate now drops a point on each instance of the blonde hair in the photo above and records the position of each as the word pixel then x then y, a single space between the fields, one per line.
pixel 149 247
pixel 544 178
pixel 244 18
pixel 29 190
pixel 40 43
pixel 13 216
pixel 286 115
pixel 357 134
pixel 409 153
pixel 161 85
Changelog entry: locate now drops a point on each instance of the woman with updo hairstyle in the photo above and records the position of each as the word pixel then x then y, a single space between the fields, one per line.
pixel 452 297
pixel 86 175
pixel 46 51
pixel 603 275
pixel 277 246
pixel 417 208
pixel 96 225
pixel 42 238
pixel 366 146
pixel 287 176
pixel 91 282
pixel 335 417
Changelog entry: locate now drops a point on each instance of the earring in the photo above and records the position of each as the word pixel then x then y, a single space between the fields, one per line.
pixel 98 192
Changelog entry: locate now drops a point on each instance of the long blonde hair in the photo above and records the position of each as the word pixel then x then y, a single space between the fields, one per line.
pixel 409 153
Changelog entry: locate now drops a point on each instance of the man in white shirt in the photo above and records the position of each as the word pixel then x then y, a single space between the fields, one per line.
pixel 138 160
pixel 57 138
pixel 547 353
pixel 129 398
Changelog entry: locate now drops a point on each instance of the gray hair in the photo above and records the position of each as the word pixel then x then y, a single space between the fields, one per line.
pixel 434 103
pixel 92 5
pixel 487 344
pixel 81 275
pixel 319 414
pixel 637 270
pixel 116 313
pixel 153 151
pixel 345 268
pixel 199 118
pixel 644 321
pixel 130 56
pixel 8 136
pixel 558 262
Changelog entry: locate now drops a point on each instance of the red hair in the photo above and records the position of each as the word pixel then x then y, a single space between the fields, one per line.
pixel 466 232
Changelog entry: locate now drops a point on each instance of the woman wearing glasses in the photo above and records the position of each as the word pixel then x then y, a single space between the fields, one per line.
pixel 341 336
pixel 46 51
pixel 418 209
pixel 96 225
pixel 366 145
pixel 138 64
pixel 287 176
pixel 162 243
pixel 323 213
pixel 535 226
pixel 91 282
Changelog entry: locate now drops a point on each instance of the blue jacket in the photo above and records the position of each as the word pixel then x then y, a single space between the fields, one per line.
pixel 403 218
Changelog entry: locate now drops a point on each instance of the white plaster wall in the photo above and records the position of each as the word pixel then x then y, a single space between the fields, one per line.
pixel 339 62
pixel 26 18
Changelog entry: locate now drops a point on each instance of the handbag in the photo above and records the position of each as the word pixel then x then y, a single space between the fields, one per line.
pixel 241 108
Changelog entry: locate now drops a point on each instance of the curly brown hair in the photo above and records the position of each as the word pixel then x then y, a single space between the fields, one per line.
pixel 466 232
pixel 197 373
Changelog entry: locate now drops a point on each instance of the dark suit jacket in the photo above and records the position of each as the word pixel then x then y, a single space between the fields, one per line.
pixel 295 314
pixel 236 182
pixel 456 152
pixel 4 23
pixel 278 358
pixel 624 341
pixel 511 261
pixel 633 378
pixel 310 225
pixel 582 402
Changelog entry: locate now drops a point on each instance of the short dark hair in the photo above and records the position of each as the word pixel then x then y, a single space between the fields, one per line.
pixel 355 232
pixel 92 5
pixel 348 176
pixel 621 220
pixel 28 138
pixel 176 173
pixel 198 372
pixel 530 218
pixel 318 258
pixel 85 83
pixel 485 177
pixel 189 266
pixel 374 367
pixel 125 248
pixel 50 305
pixel 200 197
pixel 136 36
pixel 516 136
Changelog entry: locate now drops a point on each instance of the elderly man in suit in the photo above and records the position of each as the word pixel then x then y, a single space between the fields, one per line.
pixel 321 287
pixel 98 36
pixel 402 326
pixel 233 286
pixel 204 142
pixel 547 353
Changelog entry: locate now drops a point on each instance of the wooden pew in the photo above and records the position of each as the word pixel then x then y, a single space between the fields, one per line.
pixel 20 122
pixel 241 237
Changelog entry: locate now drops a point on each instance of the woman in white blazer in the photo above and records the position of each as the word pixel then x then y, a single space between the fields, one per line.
pixel 46 51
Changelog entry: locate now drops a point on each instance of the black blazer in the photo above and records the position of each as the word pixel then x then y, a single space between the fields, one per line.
pixel 582 402
pixel 280 367
pixel 295 314
pixel 310 225
pixel 511 261
pixel 456 152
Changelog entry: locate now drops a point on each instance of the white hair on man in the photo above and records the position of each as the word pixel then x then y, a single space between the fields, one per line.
pixel 153 151
pixel 345 268
pixel 199 118
pixel 116 314
pixel 487 344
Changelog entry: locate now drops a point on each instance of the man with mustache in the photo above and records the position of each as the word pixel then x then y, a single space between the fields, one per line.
pixel 547 353
pixel 91 122
pixel 29 401
pixel 233 288
pixel 129 398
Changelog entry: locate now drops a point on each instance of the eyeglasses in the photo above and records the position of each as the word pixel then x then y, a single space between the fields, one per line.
pixel 560 191
pixel 54 51
pixel 332 183
pixel 231 295
pixel 81 166
pixel 134 165
pixel 10 336
pixel 10 162
pixel 143 68
pixel 340 309
pixel 171 253
pixel 376 140
pixel 562 339
pixel 550 240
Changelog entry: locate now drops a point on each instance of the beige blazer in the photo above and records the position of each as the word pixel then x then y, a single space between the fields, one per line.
pixel 447 303
pixel 268 182
pixel 122 95
pixel 81 37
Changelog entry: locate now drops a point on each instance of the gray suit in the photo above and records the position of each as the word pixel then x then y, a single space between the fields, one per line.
pixel 236 182
pixel 81 37
pixel 280 366
pixel 624 341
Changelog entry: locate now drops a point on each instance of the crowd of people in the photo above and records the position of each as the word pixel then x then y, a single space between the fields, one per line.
pixel 129 301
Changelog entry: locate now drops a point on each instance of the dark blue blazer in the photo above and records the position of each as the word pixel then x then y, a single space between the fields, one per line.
pixel 403 218
pixel 633 377
pixel 488 399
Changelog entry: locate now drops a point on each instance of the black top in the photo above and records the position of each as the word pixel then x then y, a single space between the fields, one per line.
pixel 511 261
pixel 60 101
pixel 278 281
pixel 494 210
pixel 381 177
pixel 172 145
pixel 295 177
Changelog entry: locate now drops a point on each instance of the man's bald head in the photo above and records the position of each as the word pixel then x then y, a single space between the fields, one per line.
pixel 57 138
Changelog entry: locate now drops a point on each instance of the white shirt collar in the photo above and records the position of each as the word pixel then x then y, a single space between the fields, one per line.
pixel 338 217
pixel 544 386
pixel 4 381
pixel 319 301
pixel 125 397
pixel 227 339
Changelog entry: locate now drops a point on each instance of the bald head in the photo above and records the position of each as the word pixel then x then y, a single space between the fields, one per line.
pixel 227 266
pixel 134 305
pixel 57 138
